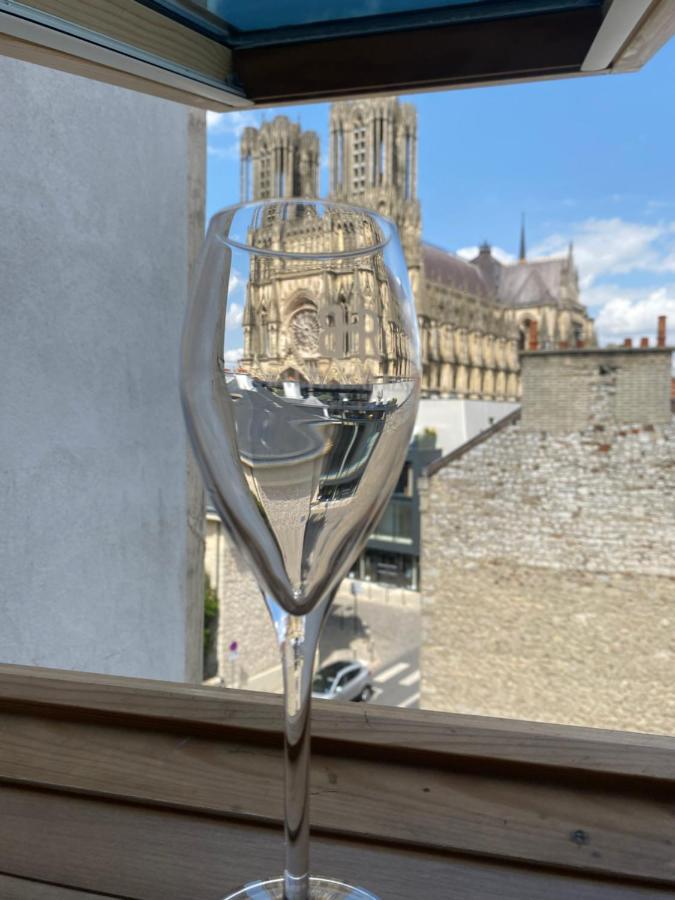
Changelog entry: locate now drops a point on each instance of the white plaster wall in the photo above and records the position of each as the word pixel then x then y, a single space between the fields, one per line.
pixel 94 540
pixel 456 421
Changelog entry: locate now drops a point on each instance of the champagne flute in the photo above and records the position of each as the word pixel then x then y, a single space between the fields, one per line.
pixel 300 383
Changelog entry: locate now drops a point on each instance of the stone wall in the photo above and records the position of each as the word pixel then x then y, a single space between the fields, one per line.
pixel 242 615
pixel 525 642
pixel 549 577
pixel 565 391
pixel 601 501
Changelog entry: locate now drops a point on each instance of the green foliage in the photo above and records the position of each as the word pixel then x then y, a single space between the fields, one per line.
pixel 426 440
pixel 210 615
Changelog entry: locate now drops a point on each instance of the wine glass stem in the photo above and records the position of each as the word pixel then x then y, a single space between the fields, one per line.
pixel 298 638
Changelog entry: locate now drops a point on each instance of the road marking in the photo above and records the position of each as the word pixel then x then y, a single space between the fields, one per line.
pixel 411 700
pixel 392 672
pixel 411 679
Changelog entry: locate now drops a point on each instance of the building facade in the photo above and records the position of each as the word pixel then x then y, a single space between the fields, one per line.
pixel 285 298
pixel 392 555
pixel 279 160
pixel 474 316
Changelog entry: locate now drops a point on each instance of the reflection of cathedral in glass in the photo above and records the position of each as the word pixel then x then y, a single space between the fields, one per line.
pixel 317 321
pixel 473 317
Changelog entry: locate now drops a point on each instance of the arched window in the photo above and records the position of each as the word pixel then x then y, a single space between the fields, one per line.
pixel 263 337
pixel 339 138
pixel 345 318
pixel 265 172
pixel 408 165
pixel 359 156
pixel 381 148
pixel 280 174
pixel 246 179
pixel 524 334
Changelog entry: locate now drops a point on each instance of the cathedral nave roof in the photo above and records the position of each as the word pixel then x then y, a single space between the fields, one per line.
pixel 446 268
pixel 536 283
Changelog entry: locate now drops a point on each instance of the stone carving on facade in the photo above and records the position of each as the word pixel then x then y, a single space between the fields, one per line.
pixel 474 316
pixel 307 322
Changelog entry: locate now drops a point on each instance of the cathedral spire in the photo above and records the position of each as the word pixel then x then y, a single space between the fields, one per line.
pixel 522 255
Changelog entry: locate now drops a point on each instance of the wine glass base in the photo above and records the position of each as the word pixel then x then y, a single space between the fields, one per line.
pixel 321 889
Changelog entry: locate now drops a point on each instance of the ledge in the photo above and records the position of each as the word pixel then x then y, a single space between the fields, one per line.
pixel 139 789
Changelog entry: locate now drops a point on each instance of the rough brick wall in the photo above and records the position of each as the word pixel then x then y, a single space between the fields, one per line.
pixel 548 577
pixel 242 615
pixel 578 648
pixel 566 391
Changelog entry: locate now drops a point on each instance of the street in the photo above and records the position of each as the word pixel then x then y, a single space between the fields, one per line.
pixel 382 628
pixel 398 682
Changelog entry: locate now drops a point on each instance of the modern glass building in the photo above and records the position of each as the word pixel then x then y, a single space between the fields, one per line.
pixel 392 555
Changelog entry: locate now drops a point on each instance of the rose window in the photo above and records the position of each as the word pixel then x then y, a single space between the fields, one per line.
pixel 305 331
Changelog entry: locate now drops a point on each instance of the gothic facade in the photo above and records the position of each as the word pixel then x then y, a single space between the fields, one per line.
pixel 279 160
pixel 474 315
pixel 363 338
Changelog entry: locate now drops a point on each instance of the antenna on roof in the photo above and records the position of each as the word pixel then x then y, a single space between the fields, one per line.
pixel 570 252
pixel 522 255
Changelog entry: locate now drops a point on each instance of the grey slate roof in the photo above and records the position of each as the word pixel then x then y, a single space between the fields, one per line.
pixel 532 283
pixel 543 282
pixel 446 268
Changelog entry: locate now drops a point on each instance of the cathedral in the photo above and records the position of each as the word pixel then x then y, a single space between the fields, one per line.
pixel 474 316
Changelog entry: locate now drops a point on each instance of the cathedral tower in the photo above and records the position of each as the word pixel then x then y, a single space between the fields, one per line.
pixel 373 162
pixel 279 160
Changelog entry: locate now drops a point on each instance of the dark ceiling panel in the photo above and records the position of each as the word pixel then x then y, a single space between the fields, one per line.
pixel 531 46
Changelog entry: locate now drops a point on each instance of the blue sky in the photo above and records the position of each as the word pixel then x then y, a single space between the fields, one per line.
pixel 586 159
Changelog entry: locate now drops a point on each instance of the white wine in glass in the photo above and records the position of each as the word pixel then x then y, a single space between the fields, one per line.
pixel 300 383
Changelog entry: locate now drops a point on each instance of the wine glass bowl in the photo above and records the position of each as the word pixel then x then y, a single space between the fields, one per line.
pixel 300 382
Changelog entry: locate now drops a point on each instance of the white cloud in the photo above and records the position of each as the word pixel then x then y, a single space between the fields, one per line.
pixel 225 129
pixel 235 314
pixel 606 251
pixel 625 312
pixel 500 255
pixel 213 118
pixel 232 123
pixel 233 356
pixel 610 247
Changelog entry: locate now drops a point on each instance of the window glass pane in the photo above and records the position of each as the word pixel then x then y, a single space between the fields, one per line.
pixel 267 14
pixel 396 523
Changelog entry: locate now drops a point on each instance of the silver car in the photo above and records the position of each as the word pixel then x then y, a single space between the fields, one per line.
pixel 343 680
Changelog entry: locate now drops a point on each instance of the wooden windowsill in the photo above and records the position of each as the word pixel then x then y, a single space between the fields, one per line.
pixel 140 789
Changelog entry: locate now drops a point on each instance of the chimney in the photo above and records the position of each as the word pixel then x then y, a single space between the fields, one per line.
pixel 661 335
pixel 533 336
pixel 563 345
pixel 628 342
pixel 644 343
pixel 581 345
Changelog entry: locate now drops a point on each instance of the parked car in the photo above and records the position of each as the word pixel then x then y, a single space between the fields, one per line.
pixel 343 680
